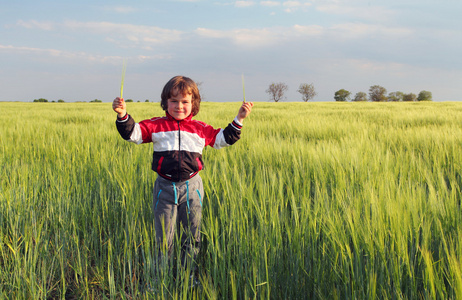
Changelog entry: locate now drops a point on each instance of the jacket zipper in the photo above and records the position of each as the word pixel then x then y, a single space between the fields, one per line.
pixel 179 151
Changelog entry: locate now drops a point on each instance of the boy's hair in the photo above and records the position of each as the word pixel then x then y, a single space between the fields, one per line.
pixel 183 85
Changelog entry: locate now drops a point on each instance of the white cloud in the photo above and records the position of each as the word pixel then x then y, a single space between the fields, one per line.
pixel 133 33
pixel 33 24
pixel 242 37
pixel 10 48
pixel 253 37
pixel 244 3
pixel 116 32
pixel 295 4
pixel 262 37
pixel 120 9
pixel 150 37
pixel 312 30
pixel 361 30
pixel 376 13
pixel 55 53
pixel 291 6
pixel 75 56
pixel 270 3
pixel 211 33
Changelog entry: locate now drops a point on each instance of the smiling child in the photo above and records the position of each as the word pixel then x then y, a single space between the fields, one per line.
pixel 178 142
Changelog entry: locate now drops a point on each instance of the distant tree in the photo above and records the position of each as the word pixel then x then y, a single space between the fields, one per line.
pixel 342 95
pixel 424 96
pixel 360 96
pixel 277 90
pixel 61 101
pixel 147 100
pixel 377 93
pixel 40 100
pixel 95 101
pixel 129 100
pixel 409 97
pixel 307 90
pixel 395 96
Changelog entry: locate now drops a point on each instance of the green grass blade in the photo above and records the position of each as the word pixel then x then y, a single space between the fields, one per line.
pixel 124 67
pixel 243 86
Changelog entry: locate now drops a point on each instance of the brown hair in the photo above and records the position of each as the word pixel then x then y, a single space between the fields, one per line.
pixel 183 85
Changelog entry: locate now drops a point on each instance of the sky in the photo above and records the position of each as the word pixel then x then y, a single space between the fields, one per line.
pixel 74 50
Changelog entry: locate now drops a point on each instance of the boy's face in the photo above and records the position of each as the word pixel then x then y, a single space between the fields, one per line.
pixel 179 106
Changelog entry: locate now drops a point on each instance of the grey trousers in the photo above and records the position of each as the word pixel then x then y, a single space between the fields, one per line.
pixel 177 215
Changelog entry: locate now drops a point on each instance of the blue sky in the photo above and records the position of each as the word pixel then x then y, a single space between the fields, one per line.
pixel 74 50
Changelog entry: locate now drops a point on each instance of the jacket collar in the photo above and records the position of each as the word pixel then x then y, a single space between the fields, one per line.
pixel 188 118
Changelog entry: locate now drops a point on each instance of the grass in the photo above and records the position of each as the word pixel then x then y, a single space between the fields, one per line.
pixel 317 200
pixel 124 67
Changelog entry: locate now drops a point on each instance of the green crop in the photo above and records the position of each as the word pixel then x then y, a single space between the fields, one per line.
pixel 243 87
pixel 124 67
pixel 317 201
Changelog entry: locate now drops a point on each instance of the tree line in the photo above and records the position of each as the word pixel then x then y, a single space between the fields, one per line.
pixel 277 92
pixel 92 101
pixel 377 93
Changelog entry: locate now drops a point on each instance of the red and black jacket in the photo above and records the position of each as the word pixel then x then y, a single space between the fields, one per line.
pixel 177 144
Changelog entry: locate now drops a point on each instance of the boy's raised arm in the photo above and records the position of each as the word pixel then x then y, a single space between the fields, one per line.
pixel 244 111
pixel 231 134
pixel 125 124
pixel 120 107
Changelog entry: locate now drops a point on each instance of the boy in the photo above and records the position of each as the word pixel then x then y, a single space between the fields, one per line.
pixel 177 158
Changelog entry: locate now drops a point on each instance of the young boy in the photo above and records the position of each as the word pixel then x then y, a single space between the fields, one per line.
pixel 177 158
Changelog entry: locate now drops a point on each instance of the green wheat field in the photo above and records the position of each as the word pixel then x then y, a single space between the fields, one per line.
pixel 316 201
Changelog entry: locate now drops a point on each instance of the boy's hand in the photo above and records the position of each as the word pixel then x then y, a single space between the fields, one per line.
pixel 119 106
pixel 244 111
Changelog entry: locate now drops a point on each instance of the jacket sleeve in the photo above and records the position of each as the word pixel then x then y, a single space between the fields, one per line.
pixel 125 126
pixel 129 130
pixel 229 135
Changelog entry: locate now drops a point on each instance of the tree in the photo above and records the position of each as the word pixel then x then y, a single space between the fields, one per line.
pixel 307 91
pixel 342 95
pixel 61 101
pixel 277 90
pixel 147 100
pixel 360 96
pixel 377 93
pixel 40 100
pixel 395 96
pixel 409 97
pixel 129 100
pixel 424 96
pixel 96 101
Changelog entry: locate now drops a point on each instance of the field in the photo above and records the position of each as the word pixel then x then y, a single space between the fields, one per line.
pixel 317 200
